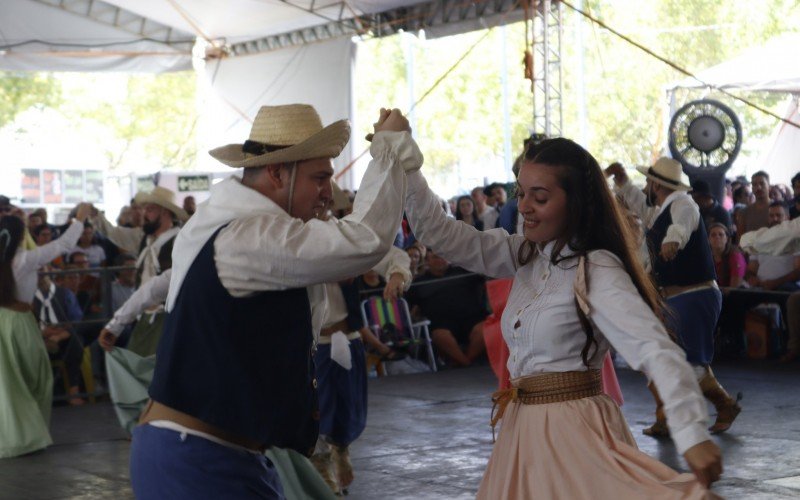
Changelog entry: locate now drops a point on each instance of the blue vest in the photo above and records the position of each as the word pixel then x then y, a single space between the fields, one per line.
pixel 243 365
pixel 694 264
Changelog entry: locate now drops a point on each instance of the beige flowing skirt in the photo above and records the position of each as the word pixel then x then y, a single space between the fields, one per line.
pixel 579 449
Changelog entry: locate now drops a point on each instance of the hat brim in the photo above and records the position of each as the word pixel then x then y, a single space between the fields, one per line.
pixel 180 213
pixel 327 143
pixel 679 186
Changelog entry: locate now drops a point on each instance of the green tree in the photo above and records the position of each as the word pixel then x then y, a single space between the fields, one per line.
pixel 156 113
pixel 20 91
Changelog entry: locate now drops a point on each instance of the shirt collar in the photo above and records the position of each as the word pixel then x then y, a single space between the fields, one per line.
pixel 546 250
pixel 672 197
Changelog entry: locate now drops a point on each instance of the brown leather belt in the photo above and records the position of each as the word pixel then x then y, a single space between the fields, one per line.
pixel 341 326
pixel 157 411
pixel 544 388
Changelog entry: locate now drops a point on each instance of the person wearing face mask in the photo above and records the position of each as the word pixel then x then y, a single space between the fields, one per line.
pixel 683 269
pixel 161 218
pixel 578 290
pixel 235 370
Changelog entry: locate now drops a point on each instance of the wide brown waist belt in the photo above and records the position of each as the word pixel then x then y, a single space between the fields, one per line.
pixel 341 326
pixel 157 411
pixel 546 388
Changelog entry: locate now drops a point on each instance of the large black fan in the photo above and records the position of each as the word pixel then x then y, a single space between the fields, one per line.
pixel 705 136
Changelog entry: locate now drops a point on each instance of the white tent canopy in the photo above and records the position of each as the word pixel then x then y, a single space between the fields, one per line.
pixel 262 51
pixel 772 67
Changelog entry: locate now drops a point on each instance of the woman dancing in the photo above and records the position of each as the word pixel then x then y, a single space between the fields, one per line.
pixel 578 289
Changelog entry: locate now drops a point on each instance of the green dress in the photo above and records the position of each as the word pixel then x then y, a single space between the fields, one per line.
pixel 26 385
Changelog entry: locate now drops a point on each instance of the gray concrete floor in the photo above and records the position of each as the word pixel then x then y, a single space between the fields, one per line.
pixel 428 438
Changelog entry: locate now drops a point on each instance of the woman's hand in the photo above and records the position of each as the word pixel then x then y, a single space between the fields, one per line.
pixel 107 340
pixel 705 460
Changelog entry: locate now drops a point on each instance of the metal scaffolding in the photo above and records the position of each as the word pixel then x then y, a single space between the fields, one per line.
pixel 546 84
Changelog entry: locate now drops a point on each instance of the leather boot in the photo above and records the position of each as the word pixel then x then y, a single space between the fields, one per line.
pixel 323 462
pixel 659 428
pixel 727 407
pixel 343 466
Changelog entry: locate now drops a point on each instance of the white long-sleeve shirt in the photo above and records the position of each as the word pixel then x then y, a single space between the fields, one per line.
pixel 264 248
pixel 684 211
pixel 150 294
pixel 26 263
pixel 540 323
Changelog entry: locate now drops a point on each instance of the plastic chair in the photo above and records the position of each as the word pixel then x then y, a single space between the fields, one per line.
pixel 377 313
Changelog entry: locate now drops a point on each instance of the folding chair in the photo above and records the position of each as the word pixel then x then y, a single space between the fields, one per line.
pixel 377 313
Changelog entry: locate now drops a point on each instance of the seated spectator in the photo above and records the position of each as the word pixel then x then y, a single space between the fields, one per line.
pixel 756 215
pixel 455 307
pixel 416 252
pixel 88 285
pixel 34 220
pixel 87 244
pixel 794 209
pixel 479 199
pixel 465 211
pixel 775 272
pixel 728 260
pixel 60 338
pixel 42 213
pixel 495 199
pixel 710 209
pixel 123 287
pixel 26 380
pixel 189 205
pixel 43 235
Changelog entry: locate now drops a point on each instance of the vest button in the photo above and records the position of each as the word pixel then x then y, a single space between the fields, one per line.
pixel 314 383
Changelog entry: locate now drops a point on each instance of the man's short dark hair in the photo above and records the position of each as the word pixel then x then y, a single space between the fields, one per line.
pixel 779 204
pixel 796 178
pixel 123 258
pixel 760 173
pixel 71 257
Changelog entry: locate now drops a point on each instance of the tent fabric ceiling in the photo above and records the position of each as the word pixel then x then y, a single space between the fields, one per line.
pixel 771 67
pixel 45 35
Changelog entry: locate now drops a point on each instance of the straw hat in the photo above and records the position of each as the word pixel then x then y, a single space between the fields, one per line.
pixel 667 172
pixel 288 133
pixel 162 197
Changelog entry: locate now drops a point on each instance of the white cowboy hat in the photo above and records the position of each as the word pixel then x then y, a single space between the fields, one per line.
pixel 667 172
pixel 162 197
pixel 287 133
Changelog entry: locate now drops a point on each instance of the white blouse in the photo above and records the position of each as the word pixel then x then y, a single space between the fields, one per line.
pixel 540 323
pixel 26 263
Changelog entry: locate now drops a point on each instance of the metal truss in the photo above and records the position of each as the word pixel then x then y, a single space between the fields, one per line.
pixel 547 87
pixel 122 19
pixel 343 21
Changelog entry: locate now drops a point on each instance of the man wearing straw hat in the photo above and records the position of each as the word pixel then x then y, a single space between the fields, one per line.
pixel 160 216
pixel 683 268
pixel 235 371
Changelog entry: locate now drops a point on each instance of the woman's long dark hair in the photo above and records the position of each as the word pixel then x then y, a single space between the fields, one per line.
pixel 459 215
pixel 594 222
pixel 11 233
pixel 726 252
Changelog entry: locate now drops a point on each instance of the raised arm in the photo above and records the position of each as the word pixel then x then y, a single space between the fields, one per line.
pixel 127 238
pixel 492 252
pixel 304 253
pixel 39 256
